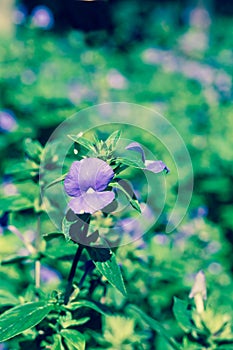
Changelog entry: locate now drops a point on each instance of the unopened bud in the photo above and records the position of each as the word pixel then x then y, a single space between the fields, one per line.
pixel 198 291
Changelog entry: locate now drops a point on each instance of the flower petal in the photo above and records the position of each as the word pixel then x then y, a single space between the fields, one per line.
pixel 88 173
pixel 135 146
pixel 91 202
pixel 94 173
pixel 71 181
pixel 156 166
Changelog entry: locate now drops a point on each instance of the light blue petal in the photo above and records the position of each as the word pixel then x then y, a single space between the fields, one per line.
pixel 156 166
pixel 135 146
pixel 91 202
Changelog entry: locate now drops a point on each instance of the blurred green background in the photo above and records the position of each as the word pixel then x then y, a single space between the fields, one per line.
pixel 175 57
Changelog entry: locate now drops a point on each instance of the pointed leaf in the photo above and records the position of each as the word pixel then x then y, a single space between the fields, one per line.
pixel 20 318
pixel 112 140
pixel 137 163
pixel 105 262
pixel 33 149
pixel 183 315
pixel 83 142
pixel 52 235
pixel 64 251
pixel 14 259
pixel 135 204
pixel 57 343
pixel 6 298
pixel 131 196
pixel 15 203
pixel 70 323
pixel 22 170
pixel 155 325
pixel 73 338
pixel 90 304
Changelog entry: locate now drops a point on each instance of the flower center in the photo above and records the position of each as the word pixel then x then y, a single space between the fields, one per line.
pixel 90 190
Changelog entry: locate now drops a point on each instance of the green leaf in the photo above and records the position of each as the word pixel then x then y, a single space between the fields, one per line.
pixel 70 323
pixel 59 179
pixel 48 236
pixel 189 345
pixel 131 196
pixel 183 315
pixel 155 325
pixel 15 203
pixel 86 303
pixel 135 204
pixel 105 262
pixel 64 250
pixel 6 298
pixel 20 318
pixel 57 343
pixel 33 149
pixel 83 142
pixel 22 170
pixel 112 140
pixel 73 338
pixel 14 259
pixel 135 163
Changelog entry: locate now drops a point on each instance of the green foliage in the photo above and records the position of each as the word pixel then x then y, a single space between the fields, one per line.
pixel 108 267
pixel 124 187
pixel 73 338
pixel 86 303
pixel 18 319
pixel 83 142
pixel 54 76
pixel 112 140
pixel 33 150
pixel 155 325
pixel 183 315
pixel 208 327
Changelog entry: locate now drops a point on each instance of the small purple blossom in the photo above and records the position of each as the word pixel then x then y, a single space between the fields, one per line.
pixel 49 275
pixel 42 17
pixel 19 14
pixel 86 181
pixel 155 166
pixel 7 121
pixel 116 80
pixel 136 227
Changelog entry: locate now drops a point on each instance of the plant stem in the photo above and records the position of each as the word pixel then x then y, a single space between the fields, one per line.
pixel 37 245
pixel 89 268
pixel 37 273
pixel 72 274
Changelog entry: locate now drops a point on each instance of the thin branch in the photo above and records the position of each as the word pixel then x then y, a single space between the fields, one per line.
pixel 72 274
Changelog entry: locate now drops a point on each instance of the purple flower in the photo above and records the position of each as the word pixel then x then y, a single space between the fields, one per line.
pixel 42 17
pixel 49 275
pixel 155 166
pixel 135 227
pixel 86 181
pixel 7 121
pixel 19 14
